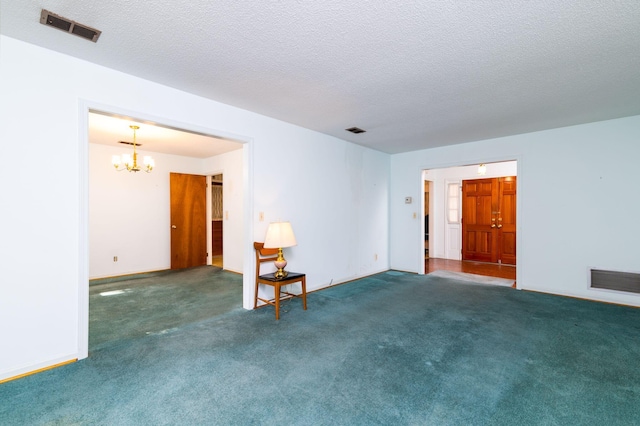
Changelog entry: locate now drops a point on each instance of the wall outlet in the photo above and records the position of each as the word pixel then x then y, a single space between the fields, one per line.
pixel 375 257
pixel 261 216
pixel 115 258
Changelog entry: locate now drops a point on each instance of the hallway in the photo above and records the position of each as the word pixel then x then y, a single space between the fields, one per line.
pixel 470 267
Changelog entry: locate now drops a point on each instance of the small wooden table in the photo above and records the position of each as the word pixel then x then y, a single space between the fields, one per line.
pixel 270 279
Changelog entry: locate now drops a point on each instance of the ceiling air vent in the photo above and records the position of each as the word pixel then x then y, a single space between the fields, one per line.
pixel 355 130
pixel 129 143
pixel 69 26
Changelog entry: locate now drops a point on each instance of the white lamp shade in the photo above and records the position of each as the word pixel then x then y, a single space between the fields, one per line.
pixel 279 235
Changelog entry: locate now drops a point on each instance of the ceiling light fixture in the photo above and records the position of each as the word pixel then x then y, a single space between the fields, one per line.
pixel 131 163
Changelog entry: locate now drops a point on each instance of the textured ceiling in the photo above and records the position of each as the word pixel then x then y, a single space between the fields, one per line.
pixel 413 74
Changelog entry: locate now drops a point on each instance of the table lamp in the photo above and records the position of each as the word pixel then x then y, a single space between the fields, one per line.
pixel 280 235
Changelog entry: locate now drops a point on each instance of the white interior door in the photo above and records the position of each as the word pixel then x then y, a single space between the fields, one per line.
pixel 453 213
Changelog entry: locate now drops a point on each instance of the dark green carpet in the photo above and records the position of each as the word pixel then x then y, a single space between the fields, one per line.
pixel 390 349
pixel 157 302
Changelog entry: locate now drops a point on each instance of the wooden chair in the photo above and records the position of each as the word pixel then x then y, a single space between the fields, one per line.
pixel 269 255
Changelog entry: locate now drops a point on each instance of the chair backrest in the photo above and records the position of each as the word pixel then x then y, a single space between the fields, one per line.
pixel 263 255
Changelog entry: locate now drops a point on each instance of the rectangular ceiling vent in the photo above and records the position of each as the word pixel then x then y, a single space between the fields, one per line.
pixel 614 280
pixel 355 130
pixel 129 143
pixel 69 26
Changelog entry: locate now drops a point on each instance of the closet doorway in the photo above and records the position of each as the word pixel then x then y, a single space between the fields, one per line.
pixel 217 209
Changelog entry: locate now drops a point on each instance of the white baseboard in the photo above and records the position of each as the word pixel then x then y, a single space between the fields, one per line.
pixel 17 373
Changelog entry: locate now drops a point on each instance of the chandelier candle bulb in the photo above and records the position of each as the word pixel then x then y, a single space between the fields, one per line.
pixel 148 162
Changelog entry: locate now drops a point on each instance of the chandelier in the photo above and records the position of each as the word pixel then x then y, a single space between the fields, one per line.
pixel 127 162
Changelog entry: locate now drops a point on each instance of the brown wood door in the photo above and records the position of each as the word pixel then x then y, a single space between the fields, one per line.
pixel 479 199
pixel 507 220
pixel 489 220
pixel 188 220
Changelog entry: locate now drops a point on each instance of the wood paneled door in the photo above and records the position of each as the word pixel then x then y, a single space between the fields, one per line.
pixel 188 220
pixel 489 220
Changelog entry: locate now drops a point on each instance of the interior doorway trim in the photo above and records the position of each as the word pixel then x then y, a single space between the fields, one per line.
pixel 84 107
pixel 521 173
pixel 210 175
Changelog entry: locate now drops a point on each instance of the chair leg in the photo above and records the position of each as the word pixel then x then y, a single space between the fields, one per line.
pixel 304 293
pixel 255 297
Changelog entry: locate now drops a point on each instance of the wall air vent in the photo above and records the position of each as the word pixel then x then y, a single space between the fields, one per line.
pixel 614 280
pixel 69 26
pixel 355 130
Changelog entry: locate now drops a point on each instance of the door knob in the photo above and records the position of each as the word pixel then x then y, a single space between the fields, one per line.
pixel 174 227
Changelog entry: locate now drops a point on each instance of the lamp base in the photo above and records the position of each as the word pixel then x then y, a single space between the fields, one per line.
pixel 280 264
pixel 280 274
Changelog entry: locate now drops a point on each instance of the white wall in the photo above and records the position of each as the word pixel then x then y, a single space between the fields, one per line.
pixel 233 236
pixel 577 203
pixel 336 196
pixel 334 193
pixel 129 213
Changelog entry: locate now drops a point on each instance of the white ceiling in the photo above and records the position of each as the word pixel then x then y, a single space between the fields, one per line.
pixel 110 130
pixel 415 74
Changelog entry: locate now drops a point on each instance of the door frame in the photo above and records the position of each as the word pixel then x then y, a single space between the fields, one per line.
pixel 210 175
pixel 520 172
pixel 84 107
pixel 430 185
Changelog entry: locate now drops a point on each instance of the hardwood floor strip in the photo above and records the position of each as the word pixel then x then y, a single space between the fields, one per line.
pixel 478 268
pixel 40 370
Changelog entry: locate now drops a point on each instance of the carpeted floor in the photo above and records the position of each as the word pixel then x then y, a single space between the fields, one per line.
pixel 152 303
pixel 391 349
